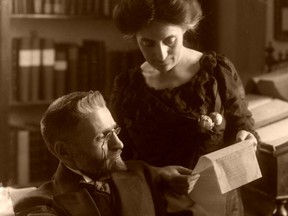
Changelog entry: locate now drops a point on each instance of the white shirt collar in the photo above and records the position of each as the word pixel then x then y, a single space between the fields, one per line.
pixel 102 186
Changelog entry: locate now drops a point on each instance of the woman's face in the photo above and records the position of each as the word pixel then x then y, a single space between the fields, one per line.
pixel 161 44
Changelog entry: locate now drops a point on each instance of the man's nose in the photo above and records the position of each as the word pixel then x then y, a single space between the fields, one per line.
pixel 162 52
pixel 114 142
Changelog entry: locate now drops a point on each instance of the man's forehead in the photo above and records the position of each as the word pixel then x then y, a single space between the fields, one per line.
pixel 103 114
pixel 100 119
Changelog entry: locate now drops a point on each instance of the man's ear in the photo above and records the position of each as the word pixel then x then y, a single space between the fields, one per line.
pixel 61 150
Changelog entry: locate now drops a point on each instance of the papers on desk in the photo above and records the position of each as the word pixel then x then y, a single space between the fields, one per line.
pixel 266 110
pixel 271 121
pixel 274 137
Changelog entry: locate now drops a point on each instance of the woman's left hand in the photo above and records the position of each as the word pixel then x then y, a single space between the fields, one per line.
pixel 246 135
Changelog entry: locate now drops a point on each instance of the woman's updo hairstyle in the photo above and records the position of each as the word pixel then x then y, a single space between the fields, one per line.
pixel 132 15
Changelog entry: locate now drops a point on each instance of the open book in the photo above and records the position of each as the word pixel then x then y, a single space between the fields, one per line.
pixel 266 110
pixel 222 171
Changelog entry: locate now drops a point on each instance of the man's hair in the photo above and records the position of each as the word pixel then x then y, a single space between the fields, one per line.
pixel 132 15
pixel 61 119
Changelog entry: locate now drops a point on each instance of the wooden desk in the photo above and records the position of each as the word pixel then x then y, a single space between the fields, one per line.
pixel 273 160
pixel 270 111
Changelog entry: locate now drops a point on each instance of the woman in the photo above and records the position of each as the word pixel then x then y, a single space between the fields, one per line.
pixel 180 103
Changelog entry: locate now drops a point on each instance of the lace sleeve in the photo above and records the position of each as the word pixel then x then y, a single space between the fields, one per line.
pixel 232 94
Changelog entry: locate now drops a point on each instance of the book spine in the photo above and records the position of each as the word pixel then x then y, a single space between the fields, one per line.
pixel 48 7
pixel 93 63
pixel 32 160
pixel 15 7
pixel 35 68
pixel 78 7
pixel 12 152
pixel 96 8
pixel 30 7
pixel 57 7
pixel 67 6
pixel 106 8
pixel 96 63
pixel 48 62
pixel 19 6
pixel 38 6
pixel 72 7
pixel 102 58
pixel 72 74
pixel 83 79
pixel 39 166
pixel 60 68
pixel 89 7
pixel 24 6
pixel 14 82
pixel 114 65
pixel 24 68
pixel 64 6
pixel 23 157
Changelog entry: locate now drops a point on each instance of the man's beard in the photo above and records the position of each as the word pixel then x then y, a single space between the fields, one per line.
pixel 115 164
pixel 105 168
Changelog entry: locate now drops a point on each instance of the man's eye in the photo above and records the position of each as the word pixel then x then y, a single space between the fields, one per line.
pixel 147 43
pixel 170 41
pixel 99 138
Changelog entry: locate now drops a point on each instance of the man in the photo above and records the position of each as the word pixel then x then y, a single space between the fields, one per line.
pixel 92 179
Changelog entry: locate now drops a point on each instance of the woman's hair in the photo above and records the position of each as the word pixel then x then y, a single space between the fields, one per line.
pixel 132 15
pixel 61 119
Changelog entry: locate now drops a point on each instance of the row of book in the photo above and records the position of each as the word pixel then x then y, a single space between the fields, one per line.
pixel 30 161
pixel 43 69
pixel 98 8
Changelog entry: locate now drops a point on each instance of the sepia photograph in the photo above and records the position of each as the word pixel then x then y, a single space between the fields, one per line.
pixel 143 107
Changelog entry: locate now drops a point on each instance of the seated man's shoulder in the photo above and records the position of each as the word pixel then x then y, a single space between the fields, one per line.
pixel 143 169
pixel 36 202
pixel 138 166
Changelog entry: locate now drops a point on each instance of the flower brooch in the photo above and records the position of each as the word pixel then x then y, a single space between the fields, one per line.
pixel 209 121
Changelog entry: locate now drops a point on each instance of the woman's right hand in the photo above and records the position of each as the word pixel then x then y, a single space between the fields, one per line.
pixel 179 179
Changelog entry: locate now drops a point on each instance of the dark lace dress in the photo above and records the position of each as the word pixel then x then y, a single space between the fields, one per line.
pixel 162 128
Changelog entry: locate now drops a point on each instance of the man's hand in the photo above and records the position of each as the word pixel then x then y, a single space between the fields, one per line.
pixel 179 179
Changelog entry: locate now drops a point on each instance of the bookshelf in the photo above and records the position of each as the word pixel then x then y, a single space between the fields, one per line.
pixel 20 115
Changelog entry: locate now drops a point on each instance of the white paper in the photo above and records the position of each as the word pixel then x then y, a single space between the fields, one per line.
pixel 233 166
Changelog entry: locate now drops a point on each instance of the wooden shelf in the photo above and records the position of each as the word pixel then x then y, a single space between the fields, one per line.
pixel 4 89
pixel 29 103
pixel 56 16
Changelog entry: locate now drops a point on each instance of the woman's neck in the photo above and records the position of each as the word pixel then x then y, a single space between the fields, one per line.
pixel 183 72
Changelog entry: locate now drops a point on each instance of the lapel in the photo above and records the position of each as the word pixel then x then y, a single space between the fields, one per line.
pixel 78 203
pixel 134 194
pixel 71 196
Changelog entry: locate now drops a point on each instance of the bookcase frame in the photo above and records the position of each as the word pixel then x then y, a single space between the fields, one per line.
pixel 4 87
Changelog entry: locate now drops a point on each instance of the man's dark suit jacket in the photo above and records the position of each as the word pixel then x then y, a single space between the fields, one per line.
pixel 63 195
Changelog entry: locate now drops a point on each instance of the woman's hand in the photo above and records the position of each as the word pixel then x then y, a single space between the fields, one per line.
pixel 246 135
pixel 179 179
